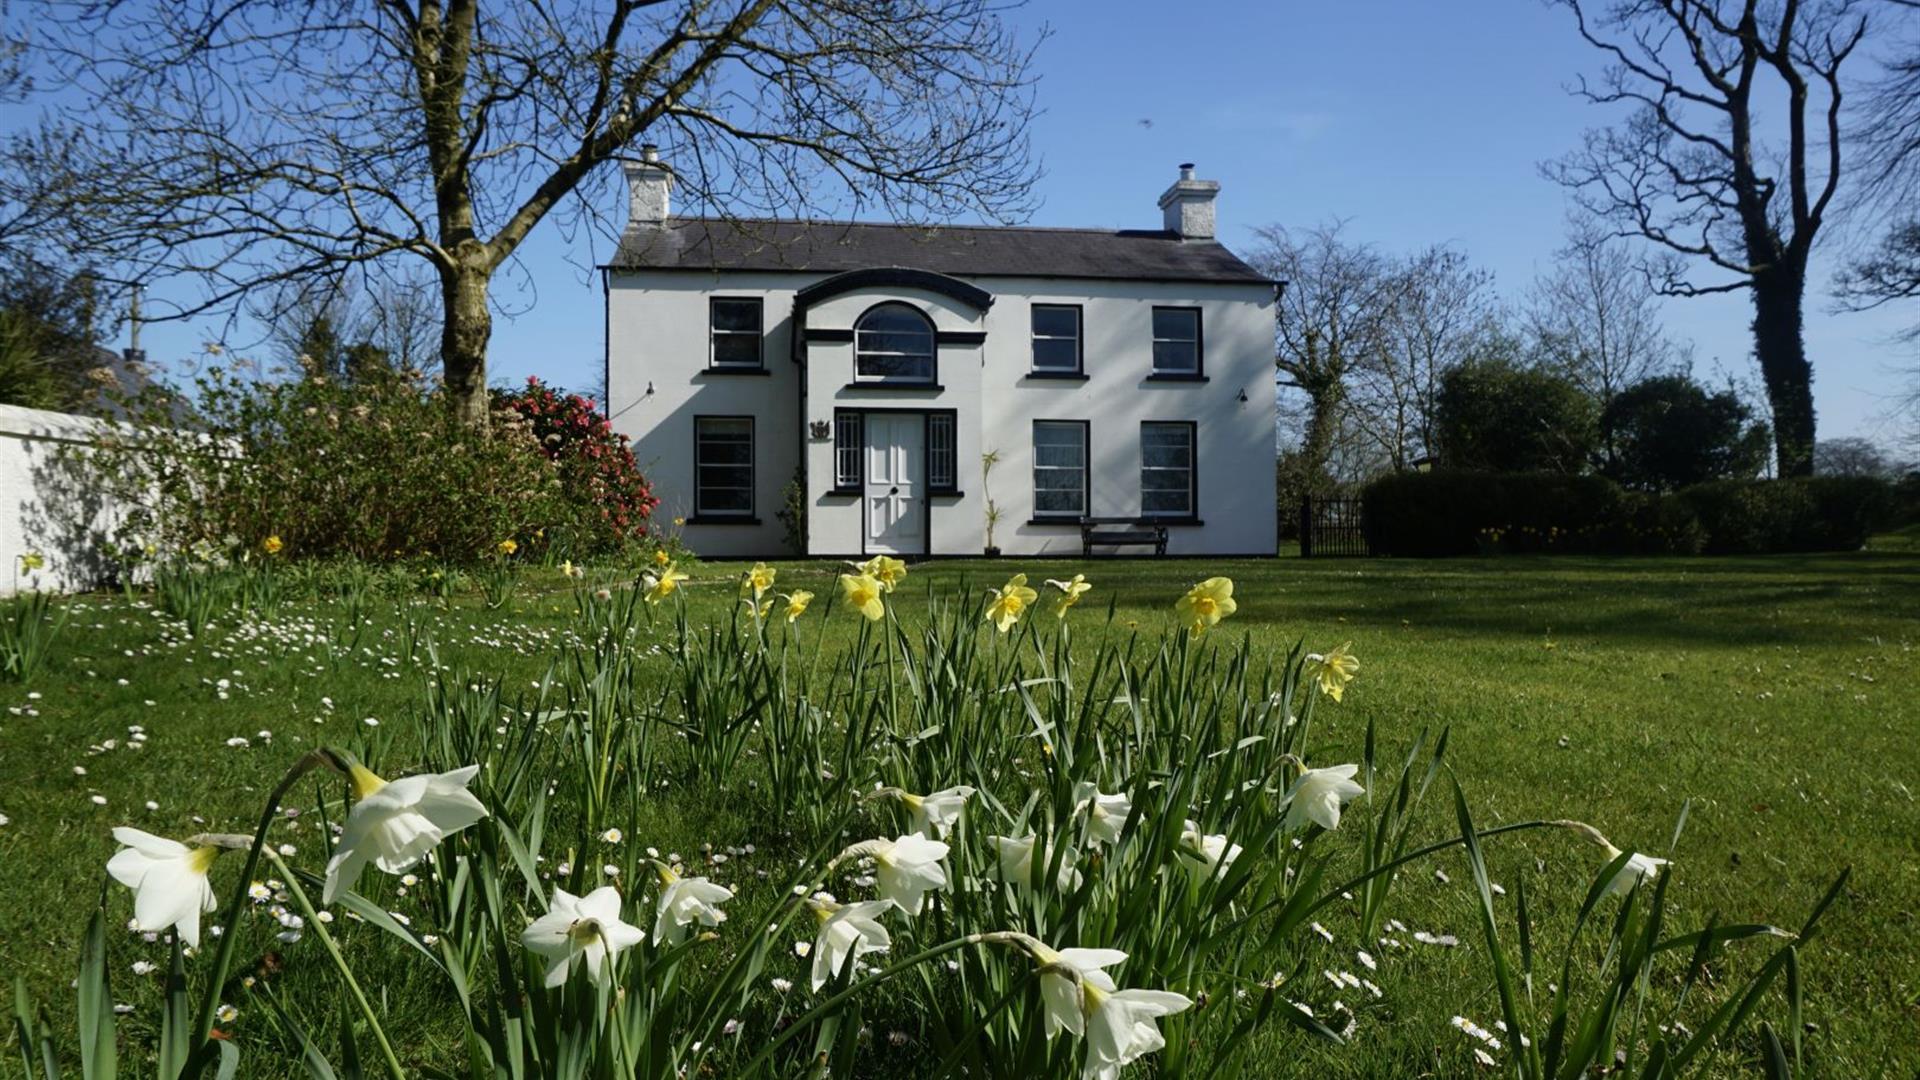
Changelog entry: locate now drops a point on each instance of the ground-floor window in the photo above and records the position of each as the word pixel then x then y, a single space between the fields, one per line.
pixel 723 466
pixel 1060 468
pixel 1166 469
pixel 849 443
pixel 943 465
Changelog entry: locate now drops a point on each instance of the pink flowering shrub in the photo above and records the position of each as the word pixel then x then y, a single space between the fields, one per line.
pixel 609 503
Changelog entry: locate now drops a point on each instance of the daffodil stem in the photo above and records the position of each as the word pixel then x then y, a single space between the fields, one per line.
pixel 223 957
pixel 833 1001
pixel 333 950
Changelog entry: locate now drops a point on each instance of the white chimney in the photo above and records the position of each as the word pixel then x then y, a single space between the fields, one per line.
pixel 651 184
pixel 1186 209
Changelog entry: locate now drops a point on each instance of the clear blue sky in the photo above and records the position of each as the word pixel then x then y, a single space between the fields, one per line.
pixel 1421 122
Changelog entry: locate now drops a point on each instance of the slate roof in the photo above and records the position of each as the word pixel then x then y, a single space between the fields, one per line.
pixel 959 250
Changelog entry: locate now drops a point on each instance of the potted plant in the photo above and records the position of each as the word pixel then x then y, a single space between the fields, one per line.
pixel 987 461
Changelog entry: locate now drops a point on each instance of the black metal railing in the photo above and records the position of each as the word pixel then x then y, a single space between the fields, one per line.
pixel 1333 527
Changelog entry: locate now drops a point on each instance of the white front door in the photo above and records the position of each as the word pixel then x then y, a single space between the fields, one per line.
pixel 896 457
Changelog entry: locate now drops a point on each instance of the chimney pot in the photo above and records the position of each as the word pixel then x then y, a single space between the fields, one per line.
pixel 649 152
pixel 1186 170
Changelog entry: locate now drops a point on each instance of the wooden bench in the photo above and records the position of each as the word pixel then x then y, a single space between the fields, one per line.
pixel 1112 532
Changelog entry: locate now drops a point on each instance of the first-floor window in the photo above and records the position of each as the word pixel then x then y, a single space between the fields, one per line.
pixel 723 466
pixel 1166 469
pixel 1059 468
pixel 942 460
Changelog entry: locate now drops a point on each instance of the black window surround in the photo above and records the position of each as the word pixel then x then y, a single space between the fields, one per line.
pixel 1179 345
pixel 1057 333
pixel 850 450
pixel 1153 476
pixel 894 344
pixel 736 335
pixel 1084 428
pixel 719 495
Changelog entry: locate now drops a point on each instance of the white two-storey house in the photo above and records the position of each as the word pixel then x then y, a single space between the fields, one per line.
pixel 1108 374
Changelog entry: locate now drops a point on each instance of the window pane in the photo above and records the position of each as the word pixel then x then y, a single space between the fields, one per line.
pixel 737 349
pixel 1175 356
pixel 1056 321
pixel 888 366
pixel 1056 502
pixel 1176 324
pixel 724 501
pixel 894 317
pixel 1056 354
pixel 741 315
pixel 1164 502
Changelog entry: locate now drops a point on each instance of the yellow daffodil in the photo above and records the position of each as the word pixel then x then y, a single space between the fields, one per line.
pixel 1070 592
pixel 679 521
pixel 862 592
pixel 272 545
pixel 885 569
pixel 661 585
pixel 760 609
pixel 1332 672
pixel 661 558
pixel 32 560
pixel 509 546
pixel 1206 604
pixel 1010 602
pixel 759 579
pixel 567 569
pixel 797 602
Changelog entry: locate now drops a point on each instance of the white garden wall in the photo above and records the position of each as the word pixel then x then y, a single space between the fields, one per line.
pixel 42 509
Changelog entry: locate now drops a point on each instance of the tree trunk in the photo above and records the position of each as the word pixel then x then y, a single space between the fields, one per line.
pixel 1778 293
pixel 463 341
pixel 1317 446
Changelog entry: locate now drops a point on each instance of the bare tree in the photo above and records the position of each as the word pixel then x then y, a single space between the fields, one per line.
pixel 1595 319
pixel 1441 312
pixel 1332 312
pixel 1691 172
pixel 242 143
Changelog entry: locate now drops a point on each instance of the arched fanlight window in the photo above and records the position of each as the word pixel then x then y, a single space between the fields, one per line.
pixel 893 342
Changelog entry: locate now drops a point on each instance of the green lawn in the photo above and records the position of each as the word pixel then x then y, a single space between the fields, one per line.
pixel 1778 696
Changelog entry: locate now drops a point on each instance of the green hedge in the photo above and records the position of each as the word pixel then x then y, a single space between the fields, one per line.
pixel 1834 513
pixel 1461 513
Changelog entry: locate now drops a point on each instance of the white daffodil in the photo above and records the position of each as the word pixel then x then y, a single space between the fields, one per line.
pixel 847 932
pixel 168 879
pixel 1060 995
pixel 1016 862
pixel 685 901
pixel 908 868
pixel 934 815
pixel 1211 849
pixel 1106 814
pixel 393 825
pixel 1639 868
pixel 1121 1026
pixel 1319 794
pixel 576 926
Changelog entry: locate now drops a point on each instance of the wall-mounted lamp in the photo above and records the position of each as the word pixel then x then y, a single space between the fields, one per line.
pixel 649 392
pixel 1243 397
pixel 819 429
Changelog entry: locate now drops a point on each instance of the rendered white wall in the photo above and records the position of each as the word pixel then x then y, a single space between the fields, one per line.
pixel 41 510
